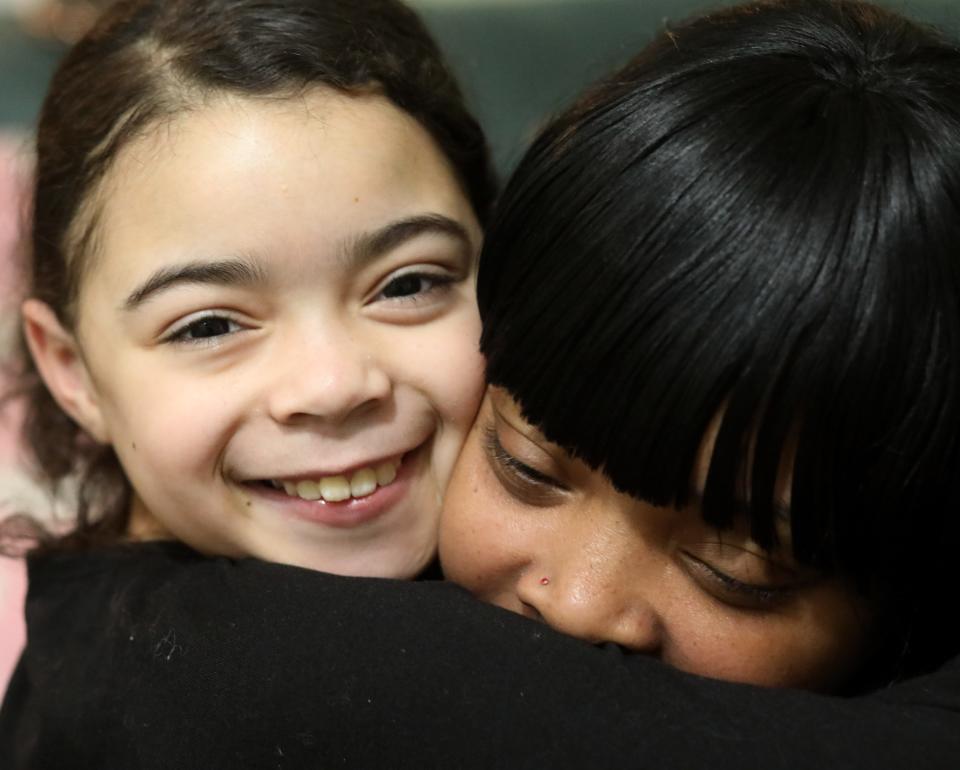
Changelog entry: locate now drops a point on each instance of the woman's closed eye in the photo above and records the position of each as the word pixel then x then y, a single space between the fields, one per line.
pixel 521 480
pixel 206 329
pixel 771 587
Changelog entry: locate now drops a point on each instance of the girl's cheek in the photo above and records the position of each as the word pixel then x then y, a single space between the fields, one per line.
pixel 469 387
pixel 456 369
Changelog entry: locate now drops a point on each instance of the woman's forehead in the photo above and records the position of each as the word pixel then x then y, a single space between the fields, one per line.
pixel 507 406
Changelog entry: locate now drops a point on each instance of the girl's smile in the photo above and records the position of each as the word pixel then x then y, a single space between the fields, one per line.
pixel 346 500
pixel 280 336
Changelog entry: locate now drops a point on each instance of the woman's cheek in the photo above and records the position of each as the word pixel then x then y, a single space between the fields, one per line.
pixel 469 527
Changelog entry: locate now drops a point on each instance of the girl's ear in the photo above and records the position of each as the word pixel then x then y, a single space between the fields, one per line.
pixel 62 368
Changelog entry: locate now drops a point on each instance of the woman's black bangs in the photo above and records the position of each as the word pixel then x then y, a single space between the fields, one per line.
pixel 765 255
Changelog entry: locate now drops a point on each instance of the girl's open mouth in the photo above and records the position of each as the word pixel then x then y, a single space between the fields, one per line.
pixel 345 500
pixel 360 483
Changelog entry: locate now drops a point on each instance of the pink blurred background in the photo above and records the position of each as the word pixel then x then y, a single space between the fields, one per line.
pixel 14 479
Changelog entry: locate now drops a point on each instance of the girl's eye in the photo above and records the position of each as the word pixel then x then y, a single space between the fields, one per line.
pixel 738 593
pixel 412 286
pixel 204 329
pixel 525 483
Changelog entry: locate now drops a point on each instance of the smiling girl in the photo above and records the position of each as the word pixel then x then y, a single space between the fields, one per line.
pixel 255 238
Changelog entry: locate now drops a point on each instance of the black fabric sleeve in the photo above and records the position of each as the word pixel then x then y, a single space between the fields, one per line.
pixel 250 665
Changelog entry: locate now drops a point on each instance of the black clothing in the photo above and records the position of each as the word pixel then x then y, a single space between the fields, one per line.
pixel 152 656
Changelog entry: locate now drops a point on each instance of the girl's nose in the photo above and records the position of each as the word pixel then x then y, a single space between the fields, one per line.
pixel 330 379
pixel 578 599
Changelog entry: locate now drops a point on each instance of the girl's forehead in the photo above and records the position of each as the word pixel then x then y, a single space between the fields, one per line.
pixel 332 145
pixel 298 176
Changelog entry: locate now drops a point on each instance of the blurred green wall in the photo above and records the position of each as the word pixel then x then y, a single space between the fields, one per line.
pixel 519 60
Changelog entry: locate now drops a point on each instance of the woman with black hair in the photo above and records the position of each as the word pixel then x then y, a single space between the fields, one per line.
pixel 722 284
pixel 726 422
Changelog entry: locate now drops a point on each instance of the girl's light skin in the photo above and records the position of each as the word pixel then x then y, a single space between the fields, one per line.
pixel 535 531
pixel 282 292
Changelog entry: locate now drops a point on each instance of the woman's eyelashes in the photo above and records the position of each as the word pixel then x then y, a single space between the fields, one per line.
pixel 524 482
pixel 733 591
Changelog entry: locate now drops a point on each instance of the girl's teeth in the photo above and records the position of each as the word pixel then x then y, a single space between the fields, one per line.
pixel 386 473
pixel 336 489
pixel 363 483
pixel 308 490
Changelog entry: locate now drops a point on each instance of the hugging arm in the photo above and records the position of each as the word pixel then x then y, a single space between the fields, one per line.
pixel 420 675
pixel 192 662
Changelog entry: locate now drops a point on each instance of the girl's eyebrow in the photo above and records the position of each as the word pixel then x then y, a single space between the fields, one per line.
pixel 226 272
pixel 248 272
pixel 367 247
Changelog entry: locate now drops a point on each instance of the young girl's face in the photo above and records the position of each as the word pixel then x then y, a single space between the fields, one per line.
pixel 533 530
pixel 278 332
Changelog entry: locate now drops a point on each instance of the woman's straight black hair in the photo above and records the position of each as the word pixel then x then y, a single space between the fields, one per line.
pixel 757 221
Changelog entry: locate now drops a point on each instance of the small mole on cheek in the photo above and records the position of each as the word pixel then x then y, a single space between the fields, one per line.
pixel 133 445
pixel 356 200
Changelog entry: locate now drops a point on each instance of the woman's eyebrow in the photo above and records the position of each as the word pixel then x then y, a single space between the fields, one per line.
pixel 369 246
pixel 226 272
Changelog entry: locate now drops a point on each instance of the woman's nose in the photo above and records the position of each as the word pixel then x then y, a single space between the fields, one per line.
pixel 579 600
pixel 329 377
